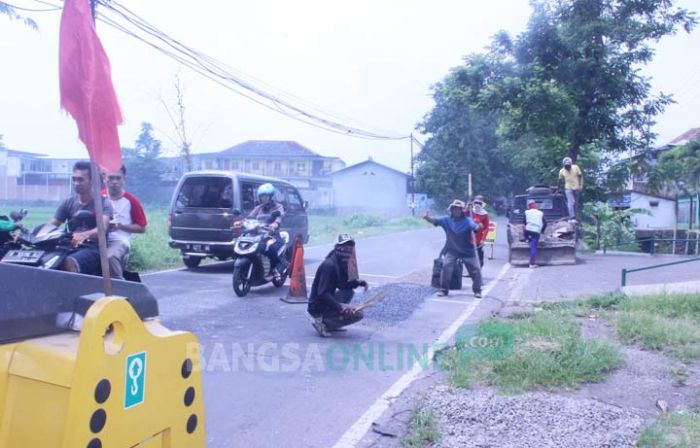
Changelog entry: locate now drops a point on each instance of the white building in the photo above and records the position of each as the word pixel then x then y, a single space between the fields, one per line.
pixel 372 188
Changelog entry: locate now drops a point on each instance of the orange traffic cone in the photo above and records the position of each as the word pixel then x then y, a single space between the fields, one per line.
pixel 297 278
pixel 353 272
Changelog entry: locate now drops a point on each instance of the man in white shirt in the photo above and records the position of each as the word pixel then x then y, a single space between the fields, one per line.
pixel 534 227
pixel 129 218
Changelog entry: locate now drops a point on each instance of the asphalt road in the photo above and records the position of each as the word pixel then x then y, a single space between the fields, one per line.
pixel 269 380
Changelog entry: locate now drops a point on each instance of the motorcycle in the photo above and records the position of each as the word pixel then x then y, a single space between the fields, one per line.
pixel 8 229
pixel 252 266
pixel 47 246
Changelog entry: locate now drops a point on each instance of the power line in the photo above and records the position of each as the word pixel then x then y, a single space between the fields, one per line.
pixel 220 73
pixel 226 76
pixel 274 107
pixel 20 8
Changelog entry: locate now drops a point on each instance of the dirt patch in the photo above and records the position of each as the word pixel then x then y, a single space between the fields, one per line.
pixel 606 414
pixel 647 376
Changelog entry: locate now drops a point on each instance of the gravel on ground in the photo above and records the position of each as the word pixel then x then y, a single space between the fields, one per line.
pixel 482 418
pixel 401 300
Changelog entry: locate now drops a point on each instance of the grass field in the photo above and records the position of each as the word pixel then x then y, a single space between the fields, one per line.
pixel 545 350
pixel 150 251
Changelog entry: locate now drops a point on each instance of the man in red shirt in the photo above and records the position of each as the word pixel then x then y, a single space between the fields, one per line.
pixel 480 216
pixel 129 218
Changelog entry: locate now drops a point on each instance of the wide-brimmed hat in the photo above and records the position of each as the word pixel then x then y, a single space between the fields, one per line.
pixel 456 203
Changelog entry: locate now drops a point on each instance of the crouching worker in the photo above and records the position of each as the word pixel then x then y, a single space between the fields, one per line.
pixel 331 291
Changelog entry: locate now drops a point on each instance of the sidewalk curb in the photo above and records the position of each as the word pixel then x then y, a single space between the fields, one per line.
pixel 691 287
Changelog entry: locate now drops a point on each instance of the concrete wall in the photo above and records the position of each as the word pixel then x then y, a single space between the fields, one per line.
pixel 663 215
pixel 370 188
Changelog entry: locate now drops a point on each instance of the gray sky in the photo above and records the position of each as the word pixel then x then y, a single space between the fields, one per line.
pixel 371 61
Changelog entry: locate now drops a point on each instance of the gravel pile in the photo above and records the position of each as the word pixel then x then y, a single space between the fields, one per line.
pixel 402 299
pixel 482 418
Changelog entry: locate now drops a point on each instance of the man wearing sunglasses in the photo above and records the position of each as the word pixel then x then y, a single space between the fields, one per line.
pixel 129 218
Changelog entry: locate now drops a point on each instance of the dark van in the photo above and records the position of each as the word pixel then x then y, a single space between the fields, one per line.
pixel 204 205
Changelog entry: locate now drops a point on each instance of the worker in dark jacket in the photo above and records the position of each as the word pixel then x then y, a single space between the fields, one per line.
pixel 332 291
pixel 459 244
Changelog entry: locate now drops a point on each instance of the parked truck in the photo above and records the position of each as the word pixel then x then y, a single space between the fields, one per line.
pixel 557 245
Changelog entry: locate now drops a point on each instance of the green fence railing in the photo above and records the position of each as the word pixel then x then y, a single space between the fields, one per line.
pixel 654 266
pixel 653 240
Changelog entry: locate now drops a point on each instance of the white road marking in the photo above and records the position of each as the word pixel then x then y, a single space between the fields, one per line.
pixel 380 276
pixel 357 431
pixel 461 302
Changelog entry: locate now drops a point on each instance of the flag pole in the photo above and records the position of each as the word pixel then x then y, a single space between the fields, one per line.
pixel 96 175
pixel 101 231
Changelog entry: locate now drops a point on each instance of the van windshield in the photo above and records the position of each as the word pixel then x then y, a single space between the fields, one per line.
pixel 206 192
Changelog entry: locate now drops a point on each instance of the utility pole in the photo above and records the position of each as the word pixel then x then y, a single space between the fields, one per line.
pixel 413 183
pixel 469 180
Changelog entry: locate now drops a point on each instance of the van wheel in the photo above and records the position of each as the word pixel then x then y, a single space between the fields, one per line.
pixel 192 262
pixel 241 285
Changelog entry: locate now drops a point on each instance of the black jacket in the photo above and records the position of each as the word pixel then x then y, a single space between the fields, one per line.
pixel 331 275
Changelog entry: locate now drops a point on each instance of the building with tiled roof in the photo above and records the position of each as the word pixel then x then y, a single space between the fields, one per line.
pixel 286 159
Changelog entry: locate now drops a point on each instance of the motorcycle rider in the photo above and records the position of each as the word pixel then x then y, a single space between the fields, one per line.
pixel 85 259
pixel 331 290
pixel 263 212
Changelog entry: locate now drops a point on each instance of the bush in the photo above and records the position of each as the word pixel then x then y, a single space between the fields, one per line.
pixel 358 220
pixel 609 228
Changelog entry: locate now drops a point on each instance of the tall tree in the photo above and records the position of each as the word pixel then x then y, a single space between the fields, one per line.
pixel 143 166
pixel 569 85
pixel 177 118
pixel 680 164
pixel 463 138
pixel 579 82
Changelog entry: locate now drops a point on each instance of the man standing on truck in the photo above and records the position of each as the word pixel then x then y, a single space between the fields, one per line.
pixel 264 212
pixel 459 245
pixel 85 259
pixel 129 218
pixel 573 184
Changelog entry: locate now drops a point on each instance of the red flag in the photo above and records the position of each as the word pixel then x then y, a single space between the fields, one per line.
pixel 86 85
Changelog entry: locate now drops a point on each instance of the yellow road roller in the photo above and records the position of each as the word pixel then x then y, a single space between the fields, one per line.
pixel 81 370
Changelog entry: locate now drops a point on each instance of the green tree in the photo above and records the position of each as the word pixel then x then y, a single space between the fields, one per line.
pixel 463 138
pixel 10 12
pixel 680 164
pixel 143 166
pixel 578 81
pixel 569 85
